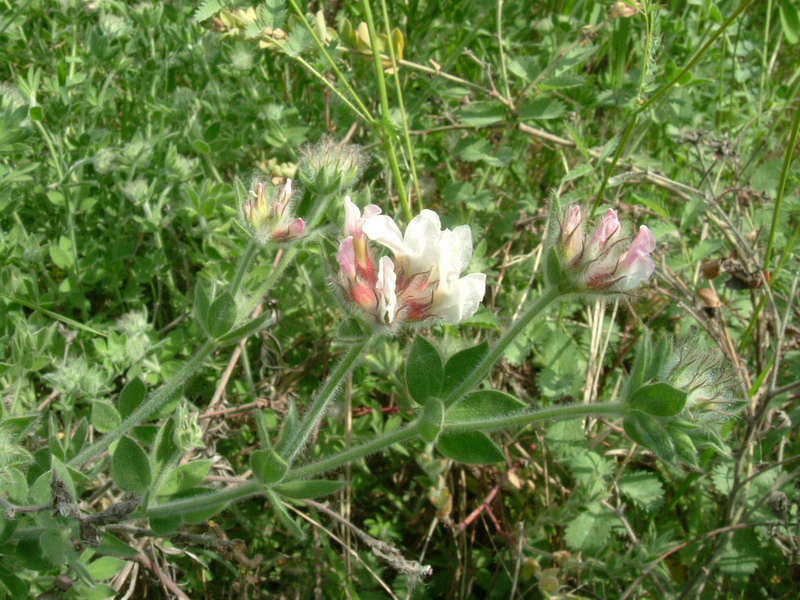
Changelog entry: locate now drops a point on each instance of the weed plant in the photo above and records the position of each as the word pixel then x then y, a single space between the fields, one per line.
pixel 198 401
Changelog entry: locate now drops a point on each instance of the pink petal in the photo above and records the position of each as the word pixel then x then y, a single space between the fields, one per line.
pixel 607 229
pixel 347 258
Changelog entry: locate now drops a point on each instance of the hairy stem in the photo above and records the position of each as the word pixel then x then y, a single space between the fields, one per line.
pixel 552 413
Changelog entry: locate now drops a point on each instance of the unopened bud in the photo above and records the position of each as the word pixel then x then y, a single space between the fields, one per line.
pixel 328 166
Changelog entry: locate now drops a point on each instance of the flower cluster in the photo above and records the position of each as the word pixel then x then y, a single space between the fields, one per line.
pixel 600 262
pixel 423 281
pixel 268 212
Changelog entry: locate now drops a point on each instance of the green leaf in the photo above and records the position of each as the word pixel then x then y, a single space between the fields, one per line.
pixel 460 365
pixel 309 488
pixel 61 258
pixel 247 329
pixel 284 516
pixel 660 357
pixel 111 544
pixel 131 396
pixel 18 427
pixel 643 489
pixel 165 451
pixel 424 370
pixel 288 428
pixel 268 466
pixel 221 315
pixel 104 416
pixel 542 108
pixel 481 114
pixel 472 447
pixel 790 21
pixel 202 514
pixel 552 266
pixel 105 567
pixel 202 304
pixel 273 13
pixel 184 477
pixel 165 525
pixel 644 430
pixel 207 9
pixel 482 405
pixel 130 468
pixel 432 420
pixel 659 399
pixel 589 530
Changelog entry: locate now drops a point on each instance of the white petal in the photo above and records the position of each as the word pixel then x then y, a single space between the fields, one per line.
pixel 455 251
pixel 422 240
pixel 351 217
pixel 385 287
pixel 384 230
pixel 462 300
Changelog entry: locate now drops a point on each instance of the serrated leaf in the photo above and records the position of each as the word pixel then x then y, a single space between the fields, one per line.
pixel 104 416
pixel 130 468
pixel 221 315
pixel 308 488
pixel 742 555
pixel 588 531
pixel 207 9
pixel 424 371
pixel 273 13
pixel 471 447
pixel 299 40
pixel 481 405
pixel 659 399
pixel 131 396
pixel 542 109
pixel 184 477
pixel 643 489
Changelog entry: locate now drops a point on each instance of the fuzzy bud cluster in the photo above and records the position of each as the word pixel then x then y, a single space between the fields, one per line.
pixel 267 212
pixel 328 166
pixel 679 399
pixel 601 260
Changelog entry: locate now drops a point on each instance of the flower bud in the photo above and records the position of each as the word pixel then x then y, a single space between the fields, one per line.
pixel 188 433
pixel 267 212
pixel 600 263
pixel 328 166
pixel 679 398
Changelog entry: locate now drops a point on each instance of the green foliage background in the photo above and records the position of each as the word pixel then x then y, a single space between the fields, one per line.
pixel 122 129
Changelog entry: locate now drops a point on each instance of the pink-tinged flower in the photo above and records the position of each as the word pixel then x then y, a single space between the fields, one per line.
pixel 268 212
pixel 600 263
pixel 422 283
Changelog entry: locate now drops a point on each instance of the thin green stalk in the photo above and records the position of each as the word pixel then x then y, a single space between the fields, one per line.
pixel 495 352
pixel 403 434
pixel 787 162
pixel 147 408
pixel 332 63
pixel 207 501
pixel 399 91
pixel 660 92
pixel 384 122
pixel 321 401
pixel 361 115
pixel 545 414
pixel 241 268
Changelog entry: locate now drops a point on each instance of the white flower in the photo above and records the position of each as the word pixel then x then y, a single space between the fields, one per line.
pixel 423 282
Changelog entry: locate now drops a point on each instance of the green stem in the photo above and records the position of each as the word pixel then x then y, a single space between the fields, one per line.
pixel 207 501
pixel 403 434
pixel 495 352
pixel 660 92
pixel 147 408
pixel 384 122
pixel 399 91
pixel 332 63
pixel 787 162
pixel 323 398
pixel 545 414
pixel 241 269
